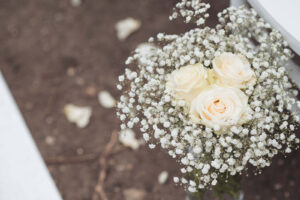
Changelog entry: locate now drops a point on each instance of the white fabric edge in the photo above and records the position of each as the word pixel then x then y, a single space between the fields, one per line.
pixel 293 42
pixel 23 174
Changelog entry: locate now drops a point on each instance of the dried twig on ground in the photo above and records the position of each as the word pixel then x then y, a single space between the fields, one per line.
pixel 58 160
pixel 99 191
pixel 110 149
pixel 70 160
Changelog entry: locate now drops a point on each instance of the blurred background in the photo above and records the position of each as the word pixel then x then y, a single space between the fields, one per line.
pixel 53 53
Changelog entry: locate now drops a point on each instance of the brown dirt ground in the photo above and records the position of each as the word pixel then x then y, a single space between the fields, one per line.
pixel 41 40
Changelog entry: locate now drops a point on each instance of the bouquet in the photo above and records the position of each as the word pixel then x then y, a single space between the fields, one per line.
pixel 217 99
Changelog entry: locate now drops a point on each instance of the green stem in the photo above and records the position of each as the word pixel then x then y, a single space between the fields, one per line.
pixel 227 185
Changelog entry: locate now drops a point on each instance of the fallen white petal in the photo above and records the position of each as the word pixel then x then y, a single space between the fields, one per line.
pixel 78 115
pixel 106 100
pixel 126 27
pixel 127 138
pixel 163 177
pixel 76 3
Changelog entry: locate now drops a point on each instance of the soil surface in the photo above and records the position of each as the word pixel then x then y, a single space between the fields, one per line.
pixel 53 53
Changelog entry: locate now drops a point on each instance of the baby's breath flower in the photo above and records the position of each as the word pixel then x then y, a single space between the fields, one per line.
pixel 209 151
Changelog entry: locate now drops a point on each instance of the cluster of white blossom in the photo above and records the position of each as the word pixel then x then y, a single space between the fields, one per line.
pixel 163 120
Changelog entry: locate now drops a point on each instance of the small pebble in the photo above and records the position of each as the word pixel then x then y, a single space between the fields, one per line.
pixel 80 81
pixel 292 183
pixel 134 194
pixel 287 194
pixel 90 91
pixel 124 167
pixel 278 186
pixel 28 106
pixel 50 140
pixel 80 151
pixel 71 71
pixel 49 120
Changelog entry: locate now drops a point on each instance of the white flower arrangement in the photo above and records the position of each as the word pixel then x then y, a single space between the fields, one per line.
pixel 217 99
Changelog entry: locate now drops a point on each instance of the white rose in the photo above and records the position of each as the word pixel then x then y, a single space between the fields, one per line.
pixel 186 82
pixel 220 107
pixel 233 70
